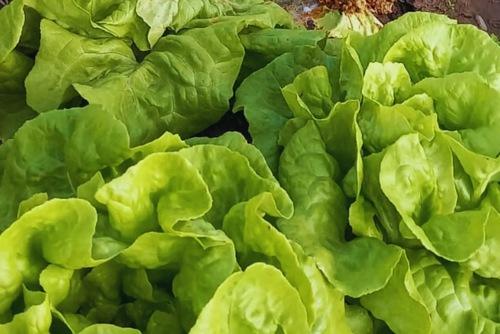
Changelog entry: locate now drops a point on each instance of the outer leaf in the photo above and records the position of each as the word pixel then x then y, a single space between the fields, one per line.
pixel 399 303
pixel 13 114
pixel 13 110
pixel 96 18
pixel 415 181
pixel 245 181
pixel 167 142
pixel 12 19
pixel 176 14
pixel 438 49
pixel 446 233
pixel 386 213
pixel 256 13
pixel 183 86
pixel 272 43
pixel 428 197
pixel 58 151
pixel 374 259
pixel 257 300
pixel 30 203
pixel 159 15
pixel 236 142
pixel 351 74
pixel 373 48
pixel 58 232
pixel 456 301
pixel 36 319
pixel 65 59
pixel 175 192
pixel 56 281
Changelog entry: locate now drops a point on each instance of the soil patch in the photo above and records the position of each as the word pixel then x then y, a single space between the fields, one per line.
pixel 485 14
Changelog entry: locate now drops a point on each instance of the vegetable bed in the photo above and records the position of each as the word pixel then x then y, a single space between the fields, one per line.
pixel 209 166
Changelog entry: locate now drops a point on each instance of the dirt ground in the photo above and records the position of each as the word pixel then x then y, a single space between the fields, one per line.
pixel 483 13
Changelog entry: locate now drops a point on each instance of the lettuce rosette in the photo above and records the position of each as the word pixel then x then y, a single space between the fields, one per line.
pixel 388 146
pixel 368 200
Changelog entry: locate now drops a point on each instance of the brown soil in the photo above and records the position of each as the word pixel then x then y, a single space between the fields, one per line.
pixel 483 13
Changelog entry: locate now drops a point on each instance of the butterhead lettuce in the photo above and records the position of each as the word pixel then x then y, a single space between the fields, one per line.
pixel 367 201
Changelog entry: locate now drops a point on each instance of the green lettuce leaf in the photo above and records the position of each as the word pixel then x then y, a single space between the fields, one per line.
pixel 236 142
pixel 456 300
pixel 455 49
pixel 343 139
pixel 485 261
pixel 308 174
pixel 464 103
pixel 12 19
pixel 36 319
pixel 14 67
pixel 373 48
pixel 13 110
pixel 65 59
pixel 310 95
pixel 246 182
pixel 351 73
pixel 176 14
pixel 58 151
pixel 386 83
pixel 135 199
pixel 318 226
pixel 37 237
pixel 257 240
pixel 184 85
pixel 263 46
pixel 261 98
pixel 201 256
pixel 399 303
pixel 96 18
pixel 108 329
pixel 381 126
pixel 257 300
pixel 473 173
